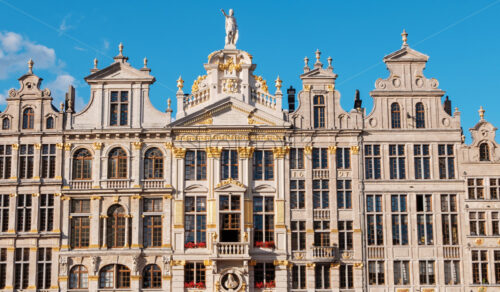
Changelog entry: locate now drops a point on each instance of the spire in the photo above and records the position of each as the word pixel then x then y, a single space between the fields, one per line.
pixel 95 69
pixel 404 36
pixel 30 66
pixel 357 100
pixel 95 63
pixel 481 113
pixel 169 104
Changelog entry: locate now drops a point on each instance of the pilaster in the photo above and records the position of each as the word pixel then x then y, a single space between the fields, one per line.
pixel 37 161
pixel 34 212
pixel 136 164
pixel 95 220
pixel 96 164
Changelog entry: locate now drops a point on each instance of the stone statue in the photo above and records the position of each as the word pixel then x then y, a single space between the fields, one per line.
pixel 231 283
pixel 231 29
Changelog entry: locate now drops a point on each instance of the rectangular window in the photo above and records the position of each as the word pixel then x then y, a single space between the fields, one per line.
pixel 229 164
pixel 119 108
pixel 449 219
pixel 372 162
pixel 422 160
pixel 263 221
pixel 426 272
pixel 263 165
pixel 80 223
pixel 475 188
pixel 298 235
pixel 5 161
pixel 264 274
pixel 397 161
pixel 376 273
pixel 477 222
pixel 343 158
pixel 4 212
pixel 195 275
pixel 495 223
pixel 297 158
pixel 425 220
pixel 344 194
pixel 322 233
pixel 320 194
pixel 374 220
pixel 152 223
pixel 446 161
pixel 46 210
pixel 195 165
pixel 401 272
pixel 480 267
pixel 3 267
pixel 44 262
pixel 23 213
pixel 320 158
pixel 346 276
pixel 299 277
pixel 399 219
pixel 452 272
pixel 494 188
pixel 496 257
pixel 195 227
pixel 230 217
pixel 48 161
pixel 345 235
pixel 297 194
pixel 21 267
pixel 322 275
pixel 26 160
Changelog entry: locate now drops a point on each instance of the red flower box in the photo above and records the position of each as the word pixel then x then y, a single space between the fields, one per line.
pixel 259 285
pixel 270 284
pixel 200 285
pixel 189 284
pixel 259 244
pixel 201 245
pixel 266 244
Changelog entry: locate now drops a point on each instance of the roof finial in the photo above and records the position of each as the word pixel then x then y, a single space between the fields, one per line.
pixel 278 83
pixel 481 113
pixel 30 66
pixel 95 63
pixel 330 63
pixel 180 83
pixel 61 106
pixel 120 47
pixel 306 64
pixel 145 62
pixel 318 55
pixel 404 36
pixel 169 103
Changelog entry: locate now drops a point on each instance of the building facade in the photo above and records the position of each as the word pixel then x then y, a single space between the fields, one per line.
pixel 236 194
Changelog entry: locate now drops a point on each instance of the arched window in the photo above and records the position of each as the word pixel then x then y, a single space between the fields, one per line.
pixel 484 152
pixel 153 164
pixel 116 226
pixel 114 276
pixel 117 164
pixel 395 116
pixel 82 164
pixel 420 115
pixel 78 278
pixel 5 124
pixel 28 118
pixel 151 277
pixel 49 123
pixel 319 111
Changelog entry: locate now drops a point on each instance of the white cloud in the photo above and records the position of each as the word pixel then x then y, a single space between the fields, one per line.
pixel 64 26
pixel 3 97
pixel 17 50
pixel 106 44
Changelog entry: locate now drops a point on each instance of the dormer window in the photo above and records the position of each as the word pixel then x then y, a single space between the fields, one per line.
pixel 319 111
pixel 119 108
pixel 28 118
pixel 5 124
pixel 49 123
pixel 484 152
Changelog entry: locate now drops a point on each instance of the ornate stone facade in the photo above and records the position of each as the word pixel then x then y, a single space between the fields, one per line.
pixel 237 194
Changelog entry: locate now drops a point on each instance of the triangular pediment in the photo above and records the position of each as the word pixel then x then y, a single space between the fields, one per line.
pixel 319 73
pixel 406 54
pixel 120 72
pixel 230 185
pixel 230 112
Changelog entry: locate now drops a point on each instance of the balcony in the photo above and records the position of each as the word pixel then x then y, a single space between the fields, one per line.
pixel 321 214
pixel 324 252
pixel 81 184
pixel 320 173
pixel 231 249
pixel 153 183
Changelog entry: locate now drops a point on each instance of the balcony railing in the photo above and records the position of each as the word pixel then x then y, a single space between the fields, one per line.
pixel 81 184
pixel 321 214
pixel 117 184
pixel 153 183
pixel 231 249
pixel 324 252
pixel 451 252
pixel 375 252
pixel 321 173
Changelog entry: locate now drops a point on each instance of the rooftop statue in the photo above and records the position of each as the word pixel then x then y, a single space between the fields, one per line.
pixel 231 30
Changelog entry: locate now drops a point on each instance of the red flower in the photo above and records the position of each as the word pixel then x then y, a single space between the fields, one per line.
pixel 269 244
pixel 270 284
pixel 259 285
pixel 200 285
pixel 259 244
pixel 201 245
pixel 189 284
pixel 190 245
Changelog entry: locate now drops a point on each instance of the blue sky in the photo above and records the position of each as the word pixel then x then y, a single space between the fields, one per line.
pixel 461 38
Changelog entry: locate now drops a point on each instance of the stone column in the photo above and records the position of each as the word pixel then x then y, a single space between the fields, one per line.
pixel 135 282
pixel 127 233
pixel 245 155
pixel 9 274
pixel 95 220
pixel 32 268
pixel 281 275
pixel 14 172
pixel 310 276
pixel 12 210
pixel 279 219
pixel 309 202
pixel 332 184
pixel 167 221
pixel 136 164
pixel 178 275
pixel 96 165
pixel 178 180
pixel 137 231
pixel 34 212
pixel 37 162
pixel 213 178
pixel 67 169
pixel 65 223
pixel 57 213
pixel 357 204
pixel 104 231
pixel 60 164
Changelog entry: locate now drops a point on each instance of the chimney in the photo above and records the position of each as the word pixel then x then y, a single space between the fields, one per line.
pixel 447 105
pixel 357 100
pixel 291 99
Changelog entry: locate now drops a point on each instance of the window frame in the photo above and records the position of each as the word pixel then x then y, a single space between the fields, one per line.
pixel 153 164
pixel 229 163
pixel 319 117
pixel 196 167
pixel 28 119
pixel 198 213
pixel 119 108
pixel 82 164
pixel 419 115
pixel 117 164
pixel 397 161
pixel 395 116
